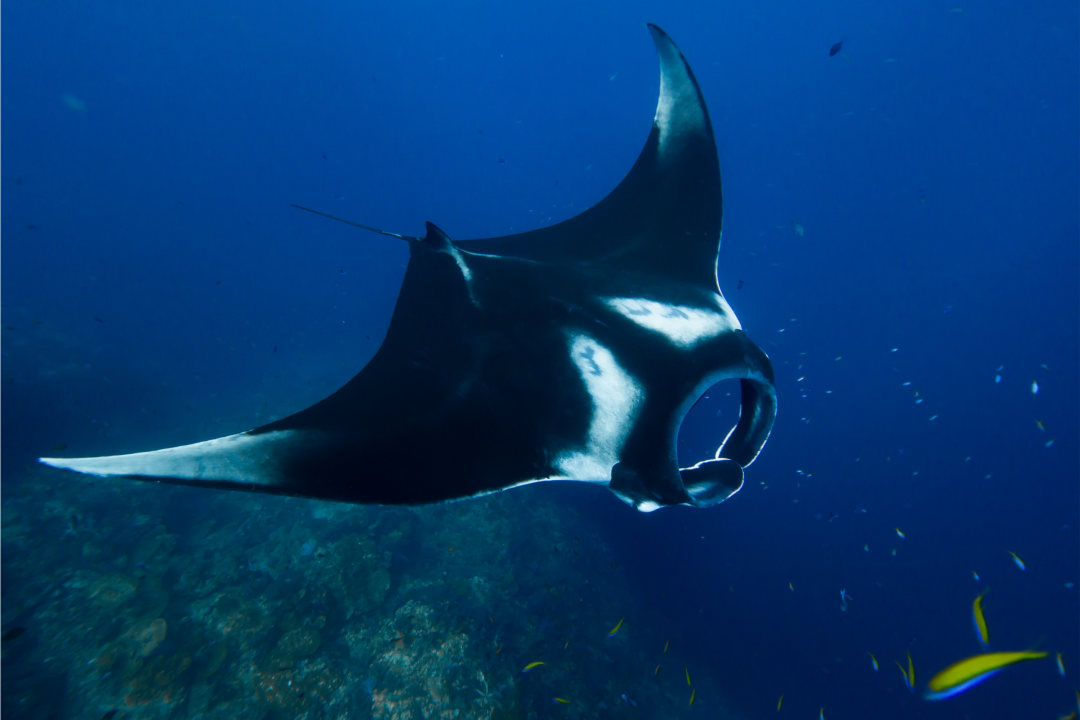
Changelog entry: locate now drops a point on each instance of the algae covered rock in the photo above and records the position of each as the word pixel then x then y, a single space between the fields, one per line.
pixel 301 642
pixel 146 635
pixel 113 589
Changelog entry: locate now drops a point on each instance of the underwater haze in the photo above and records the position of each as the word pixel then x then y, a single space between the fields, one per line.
pixel 901 223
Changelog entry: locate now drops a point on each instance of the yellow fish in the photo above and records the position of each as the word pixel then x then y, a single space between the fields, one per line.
pixel 693 694
pixel 907 680
pixel 1060 664
pixel 656 670
pixel 687 677
pixel 499 650
pixel 779 703
pixel 873 660
pixel 980 621
pixel 971 671
pixel 911 673
pixel 566 645
pixel 900 533
pixel 615 629
pixel 791 586
pixel 666 646
pixel 531 665
pixel 1019 563
pixel 562 702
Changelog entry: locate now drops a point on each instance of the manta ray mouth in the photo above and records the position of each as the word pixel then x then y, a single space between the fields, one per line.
pixel 715 479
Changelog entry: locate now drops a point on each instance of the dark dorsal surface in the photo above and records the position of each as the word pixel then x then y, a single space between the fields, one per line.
pixel 572 352
pixel 665 216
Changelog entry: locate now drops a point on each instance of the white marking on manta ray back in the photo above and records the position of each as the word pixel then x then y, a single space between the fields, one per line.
pixel 616 399
pixel 239 458
pixel 683 325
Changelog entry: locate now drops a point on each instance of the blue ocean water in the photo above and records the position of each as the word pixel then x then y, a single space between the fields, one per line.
pixel 902 217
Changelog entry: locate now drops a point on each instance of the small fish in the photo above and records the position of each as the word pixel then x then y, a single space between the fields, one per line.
pixel 821 714
pixel 1019 563
pixel 799 230
pixel 666 645
pixel 693 694
pixel 903 672
pixel 1034 388
pixel 499 650
pixel 835 48
pixel 792 587
pixel 894 552
pixel 969 672
pixel 531 665
pixel 654 672
pixel 975 575
pixel 873 661
pixel 739 287
pixel 779 703
pixel 1041 426
pixel 687 677
pixel 900 533
pixel 566 645
pixel 997 378
pixel 844 597
pixel 561 701
pixel 1060 664
pixel 980 621
pixel 12 634
pixel 866 548
pixel 911 673
pixel 450 549
pixel 615 630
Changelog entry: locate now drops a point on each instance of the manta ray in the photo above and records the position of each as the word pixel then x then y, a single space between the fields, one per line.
pixel 571 352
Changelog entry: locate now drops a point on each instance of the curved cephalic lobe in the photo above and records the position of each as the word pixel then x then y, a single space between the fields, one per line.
pixel 572 352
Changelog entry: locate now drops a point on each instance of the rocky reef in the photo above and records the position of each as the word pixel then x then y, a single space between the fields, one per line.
pixel 151 601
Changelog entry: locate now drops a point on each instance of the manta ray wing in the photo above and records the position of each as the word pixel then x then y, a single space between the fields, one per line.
pixel 664 217
pixel 568 353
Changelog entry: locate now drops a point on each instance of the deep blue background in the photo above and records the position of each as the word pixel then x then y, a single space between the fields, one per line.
pixel 154 148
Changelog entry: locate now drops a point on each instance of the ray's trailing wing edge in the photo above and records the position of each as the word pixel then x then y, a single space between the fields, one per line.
pixel 666 213
pixel 573 352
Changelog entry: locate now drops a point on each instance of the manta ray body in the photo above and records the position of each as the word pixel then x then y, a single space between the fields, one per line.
pixel 572 352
